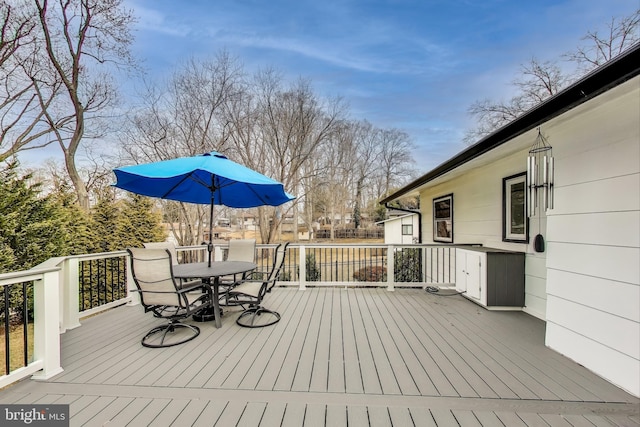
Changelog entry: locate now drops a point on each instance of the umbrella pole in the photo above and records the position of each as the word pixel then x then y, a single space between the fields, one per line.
pixel 210 245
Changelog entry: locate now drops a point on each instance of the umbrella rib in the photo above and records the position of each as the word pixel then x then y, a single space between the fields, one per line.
pixel 258 196
pixel 175 186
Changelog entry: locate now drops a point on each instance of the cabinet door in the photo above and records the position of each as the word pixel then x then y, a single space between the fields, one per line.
pixel 461 271
pixel 473 267
pixel 469 276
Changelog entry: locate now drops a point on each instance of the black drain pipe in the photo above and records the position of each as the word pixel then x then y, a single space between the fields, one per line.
pixel 386 205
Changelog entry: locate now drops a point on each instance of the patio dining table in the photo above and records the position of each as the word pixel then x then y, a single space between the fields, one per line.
pixel 210 274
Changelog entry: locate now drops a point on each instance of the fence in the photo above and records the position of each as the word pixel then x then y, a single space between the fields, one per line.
pixel 38 304
pixel 351 233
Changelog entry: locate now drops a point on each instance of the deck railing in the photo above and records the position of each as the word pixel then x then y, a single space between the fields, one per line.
pixel 38 305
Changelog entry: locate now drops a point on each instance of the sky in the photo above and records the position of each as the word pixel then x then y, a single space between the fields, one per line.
pixel 413 65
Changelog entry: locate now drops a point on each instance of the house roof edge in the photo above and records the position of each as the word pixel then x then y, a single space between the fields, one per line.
pixel 611 74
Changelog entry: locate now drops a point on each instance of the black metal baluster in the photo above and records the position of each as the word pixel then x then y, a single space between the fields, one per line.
pixel 25 323
pixel 90 286
pixel 7 350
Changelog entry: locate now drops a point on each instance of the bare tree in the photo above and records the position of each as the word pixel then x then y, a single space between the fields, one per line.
pixel 621 33
pixel 21 119
pixel 330 189
pixel 293 124
pixel 80 37
pixel 540 80
pixel 395 160
pixel 186 117
pixel 366 158
pixel 537 81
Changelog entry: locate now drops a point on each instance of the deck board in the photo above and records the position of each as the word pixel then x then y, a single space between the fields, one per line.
pixel 353 380
pixel 301 380
pixel 364 355
pixel 320 367
pixel 273 415
pixel 425 321
pixel 422 417
pixel 294 415
pixel 436 382
pixel 210 414
pixel 189 415
pixel 379 416
pixel 288 327
pixel 270 361
pixel 339 356
pixel 403 379
pixel 336 381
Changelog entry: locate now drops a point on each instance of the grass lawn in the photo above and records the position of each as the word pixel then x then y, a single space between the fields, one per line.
pixel 16 347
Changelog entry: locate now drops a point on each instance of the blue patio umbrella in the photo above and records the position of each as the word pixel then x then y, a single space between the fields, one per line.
pixel 210 179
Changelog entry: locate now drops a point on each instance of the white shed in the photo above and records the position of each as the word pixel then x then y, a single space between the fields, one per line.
pixel 402 230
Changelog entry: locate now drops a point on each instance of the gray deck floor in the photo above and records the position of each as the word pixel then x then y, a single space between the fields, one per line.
pixel 357 357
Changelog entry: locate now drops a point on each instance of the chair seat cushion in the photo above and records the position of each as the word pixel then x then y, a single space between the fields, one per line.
pixel 251 288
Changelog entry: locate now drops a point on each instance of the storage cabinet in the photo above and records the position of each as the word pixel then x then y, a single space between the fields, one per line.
pixel 493 278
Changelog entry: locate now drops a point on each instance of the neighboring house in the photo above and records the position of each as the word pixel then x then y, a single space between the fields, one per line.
pixel 223 222
pixel 586 282
pixel 402 230
pixel 248 222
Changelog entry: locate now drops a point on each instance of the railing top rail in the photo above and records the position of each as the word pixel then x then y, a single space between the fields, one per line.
pixel 381 245
pixel 25 275
pixel 100 255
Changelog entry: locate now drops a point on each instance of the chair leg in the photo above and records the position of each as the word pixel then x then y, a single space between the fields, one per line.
pixel 156 337
pixel 253 317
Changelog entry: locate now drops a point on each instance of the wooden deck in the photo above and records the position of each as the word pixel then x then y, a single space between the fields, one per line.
pixel 357 357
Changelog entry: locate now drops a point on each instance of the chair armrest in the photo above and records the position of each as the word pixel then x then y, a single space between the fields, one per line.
pixel 193 286
pixel 186 283
pixel 257 275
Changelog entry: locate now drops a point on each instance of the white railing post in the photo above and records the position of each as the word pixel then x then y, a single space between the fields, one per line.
pixel 70 294
pixel 132 289
pixel 217 253
pixel 390 268
pixel 46 297
pixel 303 268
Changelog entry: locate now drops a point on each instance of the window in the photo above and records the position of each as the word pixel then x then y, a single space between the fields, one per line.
pixel 443 219
pixel 407 229
pixel 514 212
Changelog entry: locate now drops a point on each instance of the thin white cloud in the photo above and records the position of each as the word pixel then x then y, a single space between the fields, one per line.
pixel 157 22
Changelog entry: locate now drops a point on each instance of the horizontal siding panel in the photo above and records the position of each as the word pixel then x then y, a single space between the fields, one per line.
pixel 475 213
pixel 602 162
pixel 474 232
pixel 536 286
pixel 620 334
pixel 536 265
pixel 615 263
pixel 613 194
pixel 535 306
pixel 605 228
pixel 621 299
pixel 613 118
pixel 619 368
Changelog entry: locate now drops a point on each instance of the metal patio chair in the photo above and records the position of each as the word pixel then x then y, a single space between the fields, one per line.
pixel 161 294
pixel 171 247
pixel 251 292
pixel 238 250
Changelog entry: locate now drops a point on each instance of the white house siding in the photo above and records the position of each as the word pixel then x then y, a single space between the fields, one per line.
pixel 477 216
pixel 593 258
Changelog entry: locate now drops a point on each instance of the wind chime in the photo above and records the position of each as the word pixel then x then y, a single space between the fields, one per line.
pixel 540 176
